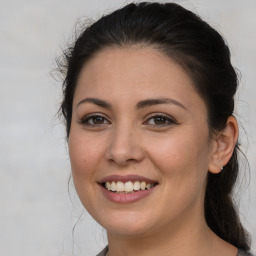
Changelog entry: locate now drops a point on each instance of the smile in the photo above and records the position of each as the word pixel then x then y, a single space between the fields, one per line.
pixel 127 187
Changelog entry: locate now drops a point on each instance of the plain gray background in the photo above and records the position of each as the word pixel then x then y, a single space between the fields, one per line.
pixel 36 213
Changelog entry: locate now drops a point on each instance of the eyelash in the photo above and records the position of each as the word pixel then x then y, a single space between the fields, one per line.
pixel 168 120
pixel 86 119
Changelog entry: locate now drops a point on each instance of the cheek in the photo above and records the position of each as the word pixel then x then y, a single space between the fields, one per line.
pixel 182 154
pixel 84 153
pixel 182 163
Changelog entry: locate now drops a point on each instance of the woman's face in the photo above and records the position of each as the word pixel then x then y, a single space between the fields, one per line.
pixel 140 129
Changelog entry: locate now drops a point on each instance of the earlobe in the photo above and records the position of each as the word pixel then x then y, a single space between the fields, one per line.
pixel 223 146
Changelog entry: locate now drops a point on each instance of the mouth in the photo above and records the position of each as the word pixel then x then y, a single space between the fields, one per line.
pixel 128 187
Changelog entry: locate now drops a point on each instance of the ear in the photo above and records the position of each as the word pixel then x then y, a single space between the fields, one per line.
pixel 223 146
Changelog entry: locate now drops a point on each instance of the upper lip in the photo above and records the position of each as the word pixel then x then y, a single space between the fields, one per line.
pixel 126 178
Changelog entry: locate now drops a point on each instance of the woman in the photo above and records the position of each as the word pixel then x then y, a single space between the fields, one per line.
pixel 148 104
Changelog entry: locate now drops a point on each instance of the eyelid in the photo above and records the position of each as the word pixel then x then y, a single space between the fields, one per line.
pixel 169 118
pixel 87 117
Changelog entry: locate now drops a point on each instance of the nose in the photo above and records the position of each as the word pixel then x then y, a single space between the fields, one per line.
pixel 125 147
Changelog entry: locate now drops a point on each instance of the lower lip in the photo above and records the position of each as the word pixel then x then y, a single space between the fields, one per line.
pixel 126 198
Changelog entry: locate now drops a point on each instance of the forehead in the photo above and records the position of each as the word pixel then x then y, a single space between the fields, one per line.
pixel 140 72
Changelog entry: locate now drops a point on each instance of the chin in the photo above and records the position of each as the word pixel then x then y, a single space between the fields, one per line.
pixel 128 230
pixel 127 224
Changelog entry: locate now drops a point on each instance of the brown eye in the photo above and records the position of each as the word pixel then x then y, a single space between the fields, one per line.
pixel 160 120
pixel 94 120
pixel 97 120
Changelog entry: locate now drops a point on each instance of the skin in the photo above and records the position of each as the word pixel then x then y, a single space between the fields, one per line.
pixel 177 153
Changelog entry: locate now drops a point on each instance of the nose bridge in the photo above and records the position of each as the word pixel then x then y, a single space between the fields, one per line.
pixel 124 145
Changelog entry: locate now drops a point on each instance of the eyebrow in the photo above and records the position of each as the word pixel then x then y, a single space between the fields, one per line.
pixel 95 101
pixel 151 102
pixel 139 105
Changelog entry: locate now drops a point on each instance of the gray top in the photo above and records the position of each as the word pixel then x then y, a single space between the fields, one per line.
pixel 240 252
pixel 103 252
pixel 243 253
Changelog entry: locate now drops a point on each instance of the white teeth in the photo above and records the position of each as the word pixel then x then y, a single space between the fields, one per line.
pixel 136 185
pixel 113 186
pixel 108 185
pixel 119 186
pixel 128 186
pixel 143 185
